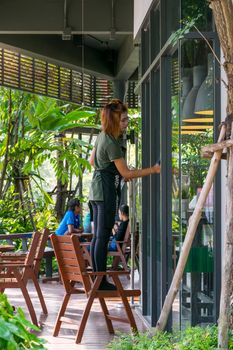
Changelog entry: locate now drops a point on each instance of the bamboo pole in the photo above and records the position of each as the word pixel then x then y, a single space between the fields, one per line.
pixel 217 146
pixel 192 227
pixel 227 257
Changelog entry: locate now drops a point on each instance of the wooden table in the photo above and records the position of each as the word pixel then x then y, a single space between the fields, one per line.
pixel 86 235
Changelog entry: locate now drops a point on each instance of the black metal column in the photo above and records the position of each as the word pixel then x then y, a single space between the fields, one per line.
pixel 119 89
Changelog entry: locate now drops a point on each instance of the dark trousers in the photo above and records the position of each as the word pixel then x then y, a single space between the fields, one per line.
pixel 99 243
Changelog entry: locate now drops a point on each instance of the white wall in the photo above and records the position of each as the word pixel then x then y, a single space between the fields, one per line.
pixel 140 10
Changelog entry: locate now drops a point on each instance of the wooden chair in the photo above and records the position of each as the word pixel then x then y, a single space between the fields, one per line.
pixel 17 269
pixel 120 254
pixel 72 266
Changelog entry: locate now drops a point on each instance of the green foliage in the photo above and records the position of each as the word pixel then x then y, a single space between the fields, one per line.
pixel 175 222
pixel 33 137
pixel 191 8
pixel 109 260
pixel 46 218
pixel 198 338
pixel 15 329
pixel 192 338
pixel 134 121
pixel 141 342
pixel 12 220
pixel 187 25
pixel 191 161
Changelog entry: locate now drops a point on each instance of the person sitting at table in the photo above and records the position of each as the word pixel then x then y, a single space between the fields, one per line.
pixel 119 229
pixel 71 222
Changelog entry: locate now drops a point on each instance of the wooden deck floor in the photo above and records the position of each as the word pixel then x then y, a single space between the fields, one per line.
pixel 95 336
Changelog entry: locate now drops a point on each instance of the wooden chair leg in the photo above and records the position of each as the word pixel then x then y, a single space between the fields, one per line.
pixel 40 295
pixel 115 262
pixel 26 297
pixel 124 264
pixel 87 309
pixel 60 314
pixel 87 256
pixel 106 313
pixel 126 304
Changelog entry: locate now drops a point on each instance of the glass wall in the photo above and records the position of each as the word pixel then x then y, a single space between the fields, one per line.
pixel 196 130
pixel 180 114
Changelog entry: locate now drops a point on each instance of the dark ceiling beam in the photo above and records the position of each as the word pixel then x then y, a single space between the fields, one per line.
pixel 47 16
pixel 66 53
pixel 127 60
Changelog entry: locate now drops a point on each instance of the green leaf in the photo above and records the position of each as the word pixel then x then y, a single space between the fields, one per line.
pixel 78 114
pixel 47 198
pixel 51 120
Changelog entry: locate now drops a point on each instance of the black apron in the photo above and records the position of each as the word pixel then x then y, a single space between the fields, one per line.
pixel 108 178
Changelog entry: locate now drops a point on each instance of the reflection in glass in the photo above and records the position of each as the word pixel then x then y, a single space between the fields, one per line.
pixel 192 9
pixel 204 101
pixel 198 75
pixel 196 304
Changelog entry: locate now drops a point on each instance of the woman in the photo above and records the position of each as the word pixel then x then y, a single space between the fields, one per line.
pixel 108 160
pixel 71 222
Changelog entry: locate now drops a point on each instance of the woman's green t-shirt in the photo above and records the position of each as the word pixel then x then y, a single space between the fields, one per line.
pixel 107 149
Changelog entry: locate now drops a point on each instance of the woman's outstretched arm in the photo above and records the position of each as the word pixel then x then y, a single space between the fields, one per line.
pixel 130 174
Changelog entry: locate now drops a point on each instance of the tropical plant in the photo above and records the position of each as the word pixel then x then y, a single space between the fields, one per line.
pixel 192 338
pixel 15 329
pixel 33 134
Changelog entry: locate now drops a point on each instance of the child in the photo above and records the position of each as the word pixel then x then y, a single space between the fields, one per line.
pixel 119 230
pixel 71 221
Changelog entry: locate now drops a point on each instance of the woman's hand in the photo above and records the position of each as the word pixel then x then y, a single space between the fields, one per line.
pixel 155 169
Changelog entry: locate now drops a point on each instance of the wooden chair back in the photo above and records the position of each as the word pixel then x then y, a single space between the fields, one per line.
pixel 30 256
pixel 71 262
pixel 119 255
pixel 43 238
pixel 16 271
pixel 36 249
pixel 126 242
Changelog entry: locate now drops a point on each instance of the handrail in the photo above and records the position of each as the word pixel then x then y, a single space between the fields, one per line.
pixel 12 236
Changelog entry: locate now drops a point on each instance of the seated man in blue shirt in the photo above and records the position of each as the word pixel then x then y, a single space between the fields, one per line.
pixel 71 220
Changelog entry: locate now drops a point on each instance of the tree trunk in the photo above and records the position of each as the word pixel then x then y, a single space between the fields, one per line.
pixel 223 15
pixel 227 282
pixel 61 187
pixel 5 161
pixel 192 227
pixel 83 168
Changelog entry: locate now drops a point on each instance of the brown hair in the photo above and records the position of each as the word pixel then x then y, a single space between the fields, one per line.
pixel 111 115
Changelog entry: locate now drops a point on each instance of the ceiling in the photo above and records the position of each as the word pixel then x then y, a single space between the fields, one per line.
pixel 99 33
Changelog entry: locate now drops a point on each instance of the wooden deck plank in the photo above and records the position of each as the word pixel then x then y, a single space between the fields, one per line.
pixel 96 335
